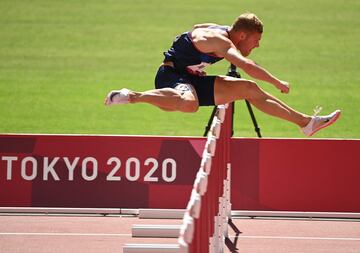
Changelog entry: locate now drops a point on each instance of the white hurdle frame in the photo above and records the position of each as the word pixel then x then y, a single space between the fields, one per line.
pixel 186 231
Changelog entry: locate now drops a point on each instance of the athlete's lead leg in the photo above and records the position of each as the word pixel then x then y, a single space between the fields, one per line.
pixel 228 89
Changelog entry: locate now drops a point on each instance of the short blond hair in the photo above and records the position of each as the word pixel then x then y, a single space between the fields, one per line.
pixel 248 22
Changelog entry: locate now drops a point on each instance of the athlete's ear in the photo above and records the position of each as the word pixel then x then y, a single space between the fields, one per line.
pixel 242 35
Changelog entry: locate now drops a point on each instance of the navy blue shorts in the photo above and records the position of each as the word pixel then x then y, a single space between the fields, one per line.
pixel 168 77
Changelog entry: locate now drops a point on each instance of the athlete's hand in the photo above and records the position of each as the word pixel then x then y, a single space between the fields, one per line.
pixel 283 86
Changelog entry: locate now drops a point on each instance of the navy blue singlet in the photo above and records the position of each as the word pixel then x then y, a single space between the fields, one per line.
pixel 186 57
pixel 189 64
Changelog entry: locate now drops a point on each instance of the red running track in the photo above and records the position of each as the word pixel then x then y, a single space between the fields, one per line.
pixel 93 234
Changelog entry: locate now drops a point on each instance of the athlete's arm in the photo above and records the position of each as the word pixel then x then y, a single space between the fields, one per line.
pixel 223 47
pixel 254 70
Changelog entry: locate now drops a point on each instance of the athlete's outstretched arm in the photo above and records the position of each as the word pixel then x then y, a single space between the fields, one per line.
pixel 223 47
pixel 254 70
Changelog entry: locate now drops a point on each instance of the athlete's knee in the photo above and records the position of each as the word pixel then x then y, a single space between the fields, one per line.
pixel 251 86
pixel 253 90
pixel 166 109
pixel 182 102
pixel 188 99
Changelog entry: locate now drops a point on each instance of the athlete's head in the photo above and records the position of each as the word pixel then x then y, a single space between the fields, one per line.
pixel 246 33
pixel 248 22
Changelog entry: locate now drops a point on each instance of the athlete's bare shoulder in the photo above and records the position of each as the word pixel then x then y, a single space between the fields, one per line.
pixel 210 40
pixel 208 32
pixel 204 25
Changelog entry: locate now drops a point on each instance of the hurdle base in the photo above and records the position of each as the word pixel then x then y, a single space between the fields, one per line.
pixel 161 213
pixel 151 248
pixel 156 231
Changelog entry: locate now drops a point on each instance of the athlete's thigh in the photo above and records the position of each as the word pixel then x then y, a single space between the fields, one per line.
pixel 204 86
pixel 228 89
pixel 167 77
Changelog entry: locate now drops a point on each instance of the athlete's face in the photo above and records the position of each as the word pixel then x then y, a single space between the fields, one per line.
pixel 247 41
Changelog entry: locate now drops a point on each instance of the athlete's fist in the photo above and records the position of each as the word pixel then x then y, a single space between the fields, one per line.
pixel 284 87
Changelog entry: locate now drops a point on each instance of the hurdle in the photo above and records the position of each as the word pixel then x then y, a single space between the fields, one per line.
pixel 161 213
pixel 205 219
pixel 151 248
pixel 156 231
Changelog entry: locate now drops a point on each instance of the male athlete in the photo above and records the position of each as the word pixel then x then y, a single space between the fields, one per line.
pixel 182 84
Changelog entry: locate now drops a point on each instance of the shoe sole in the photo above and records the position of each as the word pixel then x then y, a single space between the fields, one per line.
pixel 332 121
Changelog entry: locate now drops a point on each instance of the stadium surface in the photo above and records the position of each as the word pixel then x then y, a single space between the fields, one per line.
pixel 92 234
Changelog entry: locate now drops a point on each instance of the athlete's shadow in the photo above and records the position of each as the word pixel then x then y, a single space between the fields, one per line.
pixel 231 245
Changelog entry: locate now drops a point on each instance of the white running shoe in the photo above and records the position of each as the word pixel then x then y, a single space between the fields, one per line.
pixel 117 97
pixel 319 122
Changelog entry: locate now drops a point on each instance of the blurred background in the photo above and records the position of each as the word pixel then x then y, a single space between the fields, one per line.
pixel 59 59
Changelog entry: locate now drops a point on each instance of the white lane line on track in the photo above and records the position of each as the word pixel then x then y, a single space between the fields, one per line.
pixel 297 238
pixel 62 234
pixel 240 237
